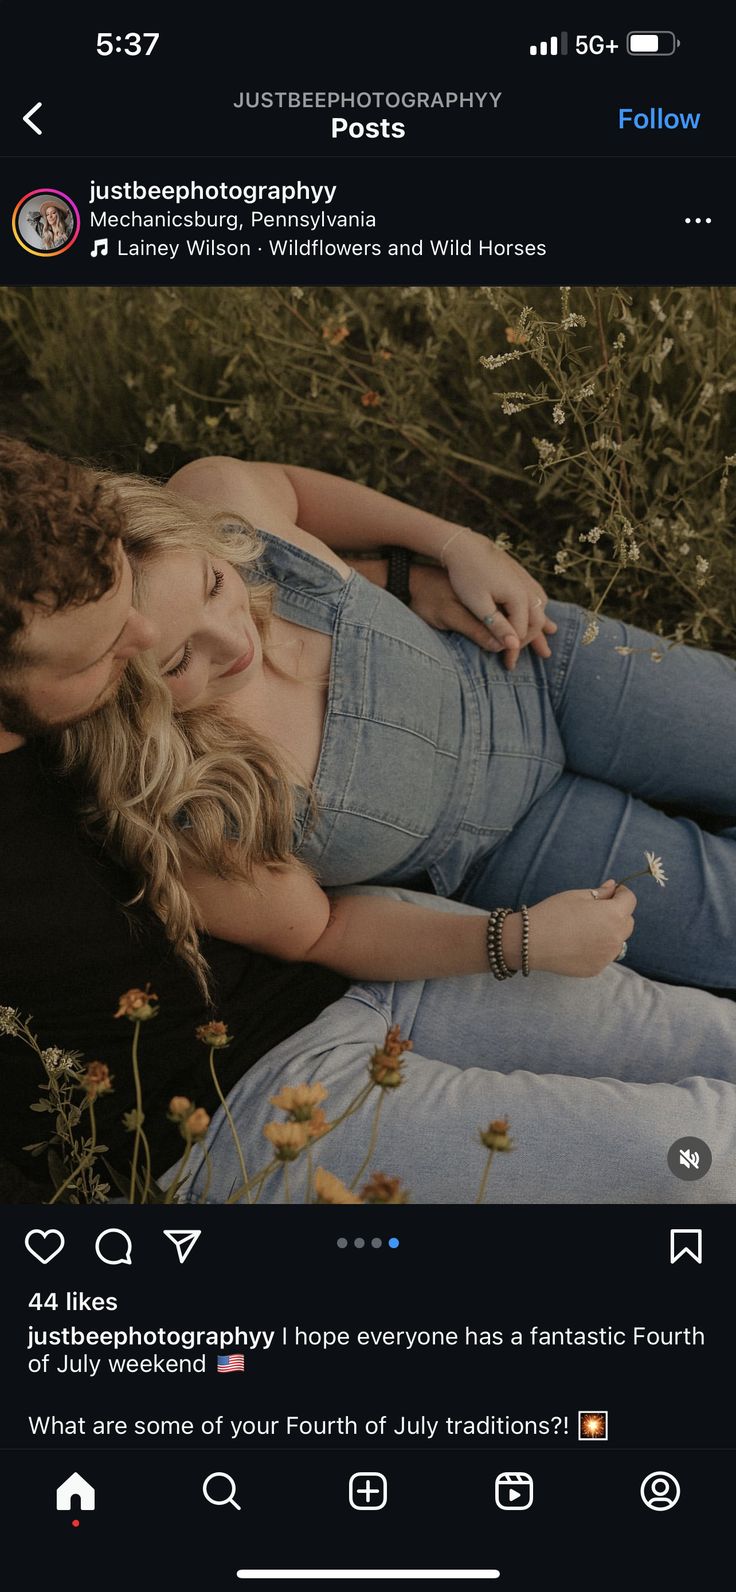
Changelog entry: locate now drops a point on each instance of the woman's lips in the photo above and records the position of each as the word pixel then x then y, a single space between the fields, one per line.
pixel 240 663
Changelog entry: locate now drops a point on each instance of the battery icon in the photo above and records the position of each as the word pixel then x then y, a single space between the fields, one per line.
pixel 662 43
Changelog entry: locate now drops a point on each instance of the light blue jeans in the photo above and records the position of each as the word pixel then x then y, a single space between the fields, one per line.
pixel 597 1076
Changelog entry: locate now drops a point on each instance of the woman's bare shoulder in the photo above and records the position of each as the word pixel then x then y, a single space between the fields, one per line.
pixel 259 493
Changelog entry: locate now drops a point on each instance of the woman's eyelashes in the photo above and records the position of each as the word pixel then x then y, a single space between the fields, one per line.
pixel 183 664
pixel 186 658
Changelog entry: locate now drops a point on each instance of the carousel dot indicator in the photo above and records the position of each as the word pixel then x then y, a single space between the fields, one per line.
pixel 359 1243
pixel 393 1243
pixel 342 1243
pixel 376 1243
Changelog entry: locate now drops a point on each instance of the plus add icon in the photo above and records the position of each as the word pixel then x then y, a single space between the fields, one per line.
pixel 368 1490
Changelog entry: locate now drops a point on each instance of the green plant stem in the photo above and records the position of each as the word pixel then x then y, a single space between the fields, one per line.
pixel 138 1112
pixel 230 1123
pixel 86 1159
pixel 148 1177
pixel 208 1178
pixel 287 1189
pixel 175 1181
pixel 480 1196
pixel 372 1141
pixel 639 875
pixel 310 1174
pixel 266 1174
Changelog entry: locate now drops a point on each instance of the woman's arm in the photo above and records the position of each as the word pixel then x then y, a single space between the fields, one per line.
pixel 284 913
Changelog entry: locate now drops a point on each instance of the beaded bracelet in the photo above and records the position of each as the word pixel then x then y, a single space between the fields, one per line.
pixel 494 943
pixel 525 941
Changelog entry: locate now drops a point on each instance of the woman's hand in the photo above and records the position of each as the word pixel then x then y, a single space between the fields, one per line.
pixel 572 933
pixel 488 582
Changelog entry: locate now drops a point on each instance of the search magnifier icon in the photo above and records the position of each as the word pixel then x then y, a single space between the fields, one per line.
pixel 229 1498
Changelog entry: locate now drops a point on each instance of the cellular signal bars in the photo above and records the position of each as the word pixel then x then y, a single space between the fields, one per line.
pixel 554 46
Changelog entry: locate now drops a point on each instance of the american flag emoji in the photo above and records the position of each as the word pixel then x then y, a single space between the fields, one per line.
pixel 230 1362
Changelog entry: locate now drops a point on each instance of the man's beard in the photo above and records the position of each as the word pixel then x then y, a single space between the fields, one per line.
pixel 18 719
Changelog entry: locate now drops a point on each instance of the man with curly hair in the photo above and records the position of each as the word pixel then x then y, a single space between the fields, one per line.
pixel 67 624
pixel 69 944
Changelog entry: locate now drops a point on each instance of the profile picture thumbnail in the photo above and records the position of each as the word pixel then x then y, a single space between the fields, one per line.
pixel 46 222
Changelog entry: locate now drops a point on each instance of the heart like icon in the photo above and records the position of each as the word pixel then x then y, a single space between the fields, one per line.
pixel 37 1243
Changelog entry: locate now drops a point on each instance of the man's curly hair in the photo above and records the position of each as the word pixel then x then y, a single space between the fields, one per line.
pixel 60 526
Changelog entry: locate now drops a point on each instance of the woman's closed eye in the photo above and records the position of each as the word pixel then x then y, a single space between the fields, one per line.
pixel 186 657
pixel 183 664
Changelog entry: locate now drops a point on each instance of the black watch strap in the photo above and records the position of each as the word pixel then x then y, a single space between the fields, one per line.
pixel 399 560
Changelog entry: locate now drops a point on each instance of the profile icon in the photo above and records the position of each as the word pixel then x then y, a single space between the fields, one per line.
pixel 45 222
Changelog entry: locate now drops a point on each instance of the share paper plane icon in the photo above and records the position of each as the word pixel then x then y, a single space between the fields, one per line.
pixel 184 1240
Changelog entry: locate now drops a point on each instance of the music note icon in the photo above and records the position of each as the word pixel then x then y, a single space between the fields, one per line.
pixel 99 247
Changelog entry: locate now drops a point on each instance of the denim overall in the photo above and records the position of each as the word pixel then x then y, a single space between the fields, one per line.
pixel 430 752
pixel 509 786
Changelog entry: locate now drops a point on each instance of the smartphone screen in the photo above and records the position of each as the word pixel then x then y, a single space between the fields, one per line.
pixel 367 803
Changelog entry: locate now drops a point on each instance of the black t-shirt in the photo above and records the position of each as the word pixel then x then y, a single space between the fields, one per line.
pixel 68 950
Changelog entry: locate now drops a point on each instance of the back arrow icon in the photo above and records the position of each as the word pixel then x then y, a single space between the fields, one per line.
pixel 29 114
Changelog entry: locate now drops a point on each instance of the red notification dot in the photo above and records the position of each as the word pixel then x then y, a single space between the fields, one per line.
pixel 75 1522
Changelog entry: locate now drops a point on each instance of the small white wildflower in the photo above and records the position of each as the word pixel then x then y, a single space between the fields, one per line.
pixel 558 415
pixel 679 635
pixel 656 308
pixel 572 320
pixel 562 560
pixel 495 361
pixel 707 392
pixel 592 630
pixel 658 410
pixel 511 409
pixel 588 391
pixel 730 460
pixel 656 657
pixel 684 548
pixel 656 870
pixel 591 536
pixel 149 445
pixel 9 1021
pixel 620 341
pixel 298 292
pixel 632 551
pixel 687 316
pixel 624 651
pixel 503 541
pixel 666 347
pixel 605 442
pixel 546 450
pixel 702 565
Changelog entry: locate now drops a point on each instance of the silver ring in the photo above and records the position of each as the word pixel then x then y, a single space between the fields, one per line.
pixel 539 603
pixel 622 952
pixel 489 618
pixel 594 894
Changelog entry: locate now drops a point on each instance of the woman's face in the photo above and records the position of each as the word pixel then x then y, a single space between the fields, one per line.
pixel 209 647
pixel 52 215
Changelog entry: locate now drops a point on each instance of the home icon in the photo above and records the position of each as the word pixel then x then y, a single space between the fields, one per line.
pixel 75 1491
